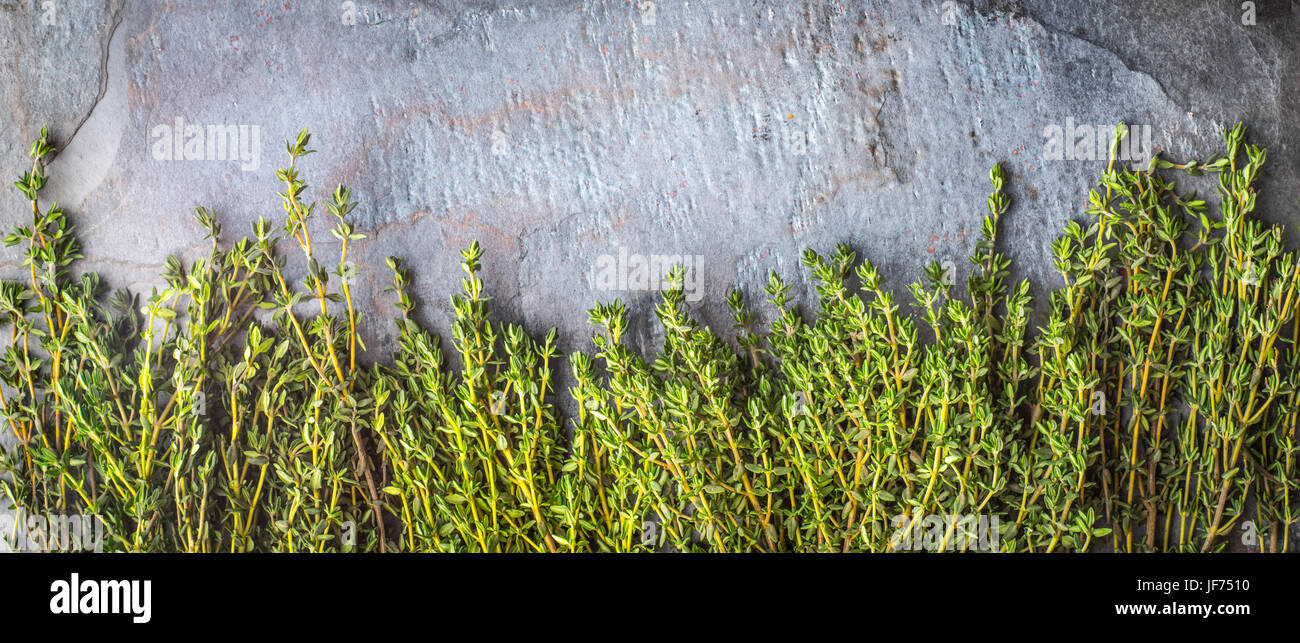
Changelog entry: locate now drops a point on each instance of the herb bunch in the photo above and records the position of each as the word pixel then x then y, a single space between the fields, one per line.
pixel 1154 409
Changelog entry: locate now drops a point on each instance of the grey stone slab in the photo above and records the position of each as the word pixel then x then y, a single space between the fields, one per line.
pixel 558 133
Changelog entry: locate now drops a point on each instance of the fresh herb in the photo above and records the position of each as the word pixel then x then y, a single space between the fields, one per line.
pixel 1154 409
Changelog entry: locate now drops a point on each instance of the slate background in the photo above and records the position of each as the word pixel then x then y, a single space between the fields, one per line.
pixel 667 127
pixel 659 128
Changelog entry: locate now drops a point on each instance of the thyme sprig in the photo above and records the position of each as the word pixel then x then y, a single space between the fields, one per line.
pixel 1154 408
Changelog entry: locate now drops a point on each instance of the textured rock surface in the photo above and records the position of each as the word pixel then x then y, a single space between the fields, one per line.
pixel 559 132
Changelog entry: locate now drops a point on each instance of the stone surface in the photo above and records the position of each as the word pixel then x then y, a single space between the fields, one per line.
pixel 563 135
pixel 558 133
